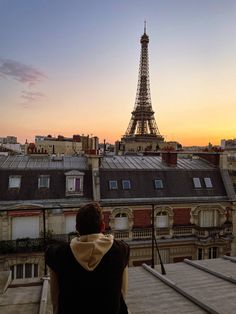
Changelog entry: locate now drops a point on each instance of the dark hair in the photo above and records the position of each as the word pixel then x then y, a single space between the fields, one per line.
pixel 89 219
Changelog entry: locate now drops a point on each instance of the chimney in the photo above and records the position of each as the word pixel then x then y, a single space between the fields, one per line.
pixel 211 157
pixel 169 158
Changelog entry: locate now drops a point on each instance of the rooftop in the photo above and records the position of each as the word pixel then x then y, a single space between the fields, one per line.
pixel 151 163
pixel 206 286
pixel 21 162
pixel 21 297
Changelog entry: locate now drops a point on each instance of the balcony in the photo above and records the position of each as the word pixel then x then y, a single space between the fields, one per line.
pixel 28 245
pixel 182 231
pixel 213 232
pixel 22 246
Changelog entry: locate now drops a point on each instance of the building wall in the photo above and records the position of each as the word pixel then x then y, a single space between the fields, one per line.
pixel 174 242
pixel 180 237
pixel 182 216
pixel 66 148
pixel 142 218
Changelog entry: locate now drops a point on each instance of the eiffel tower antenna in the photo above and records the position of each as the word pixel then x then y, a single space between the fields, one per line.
pixel 142 124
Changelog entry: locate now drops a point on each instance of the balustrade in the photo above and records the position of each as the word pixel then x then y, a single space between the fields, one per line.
pixel 38 245
pixel 182 230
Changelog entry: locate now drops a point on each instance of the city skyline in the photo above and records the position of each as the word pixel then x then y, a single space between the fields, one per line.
pixel 71 67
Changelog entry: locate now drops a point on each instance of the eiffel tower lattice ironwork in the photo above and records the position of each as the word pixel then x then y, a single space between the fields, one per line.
pixel 142 123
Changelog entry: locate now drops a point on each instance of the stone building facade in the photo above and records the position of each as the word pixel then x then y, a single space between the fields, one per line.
pixel 185 203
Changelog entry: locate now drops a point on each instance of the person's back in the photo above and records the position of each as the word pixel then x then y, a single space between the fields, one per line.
pixel 89 272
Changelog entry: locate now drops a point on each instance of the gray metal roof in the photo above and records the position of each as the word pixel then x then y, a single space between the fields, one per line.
pixel 21 162
pixel 189 287
pixel 151 162
pixel 21 299
pixel 184 289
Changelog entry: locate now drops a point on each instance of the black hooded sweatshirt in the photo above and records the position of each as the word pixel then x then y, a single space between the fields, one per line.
pixel 90 273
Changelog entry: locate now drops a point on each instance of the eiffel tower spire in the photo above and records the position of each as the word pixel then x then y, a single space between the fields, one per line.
pixel 142 123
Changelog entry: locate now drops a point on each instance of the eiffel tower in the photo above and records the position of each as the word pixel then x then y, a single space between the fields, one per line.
pixel 142 126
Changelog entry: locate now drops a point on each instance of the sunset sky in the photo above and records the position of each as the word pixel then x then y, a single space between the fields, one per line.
pixel 71 67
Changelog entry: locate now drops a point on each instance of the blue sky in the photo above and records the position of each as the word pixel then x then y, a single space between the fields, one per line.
pixel 71 67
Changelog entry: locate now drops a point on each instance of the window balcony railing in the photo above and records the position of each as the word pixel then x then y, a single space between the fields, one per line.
pixel 27 245
pixel 142 233
pixel 121 235
pixel 162 231
pixel 205 232
pixel 182 231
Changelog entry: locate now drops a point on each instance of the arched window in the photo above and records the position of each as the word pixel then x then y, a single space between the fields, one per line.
pixel 209 218
pixel 121 221
pixel 162 219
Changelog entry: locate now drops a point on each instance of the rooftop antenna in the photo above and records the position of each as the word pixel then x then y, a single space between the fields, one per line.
pixel 145 26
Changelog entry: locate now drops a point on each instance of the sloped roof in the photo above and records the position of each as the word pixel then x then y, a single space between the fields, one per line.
pixel 184 289
pixel 20 298
pixel 151 163
pixel 177 181
pixel 21 162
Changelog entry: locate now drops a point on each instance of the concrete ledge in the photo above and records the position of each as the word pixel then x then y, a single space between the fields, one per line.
pixel 230 258
pixel 44 296
pixel 210 271
pixel 5 280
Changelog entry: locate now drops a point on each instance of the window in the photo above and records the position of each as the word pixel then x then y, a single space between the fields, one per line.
pixel 209 218
pixel 162 220
pixel 70 222
pixel 126 184
pixel 208 182
pixel 121 221
pixel 19 271
pixel 113 185
pixel 74 183
pixel 25 227
pixel 14 182
pixel 43 181
pixel 197 183
pixel 213 252
pixel 158 184
pixel 22 271
pixel 200 254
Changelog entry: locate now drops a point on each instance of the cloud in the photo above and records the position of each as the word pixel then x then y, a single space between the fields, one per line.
pixel 20 72
pixel 31 96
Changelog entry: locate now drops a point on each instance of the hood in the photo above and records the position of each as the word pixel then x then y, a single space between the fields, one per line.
pixel 89 249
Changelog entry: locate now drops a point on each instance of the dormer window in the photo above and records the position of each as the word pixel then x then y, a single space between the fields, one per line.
pixel 43 181
pixel 158 184
pixel 208 183
pixel 113 185
pixel 197 183
pixel 126 184
pixel 74 183
pixel 14 182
